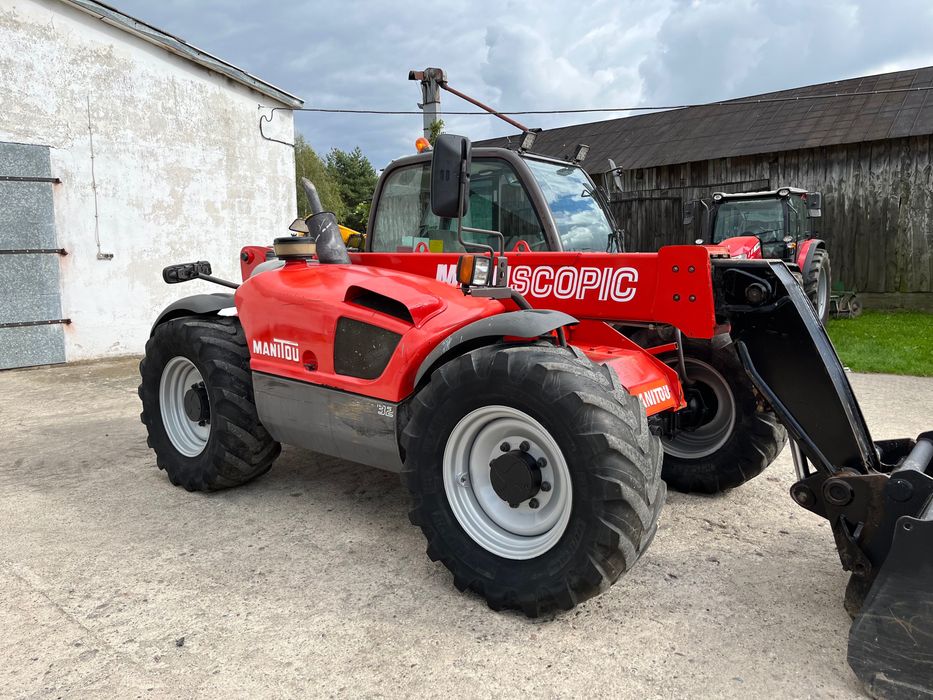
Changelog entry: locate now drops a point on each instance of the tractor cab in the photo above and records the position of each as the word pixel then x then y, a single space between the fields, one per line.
pixel 769 224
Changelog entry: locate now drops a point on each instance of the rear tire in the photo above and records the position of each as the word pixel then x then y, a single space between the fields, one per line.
pixel 817 283
pixel 198 406
pixel 747 444
pixel 599 514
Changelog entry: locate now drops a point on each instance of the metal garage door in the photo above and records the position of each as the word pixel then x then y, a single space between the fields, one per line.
pixel 31 331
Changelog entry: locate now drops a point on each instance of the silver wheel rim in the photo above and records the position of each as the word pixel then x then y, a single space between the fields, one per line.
pixel 512 533
pixel 822 294
pixel 711 436
pixel 186 435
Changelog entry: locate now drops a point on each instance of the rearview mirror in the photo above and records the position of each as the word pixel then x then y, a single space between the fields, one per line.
pixel 450 176
pixel 299 225
pixel 815 204
pixel 616 175
pixel 688 213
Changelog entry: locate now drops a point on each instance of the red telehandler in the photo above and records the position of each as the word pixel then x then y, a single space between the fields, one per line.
pixel 525 426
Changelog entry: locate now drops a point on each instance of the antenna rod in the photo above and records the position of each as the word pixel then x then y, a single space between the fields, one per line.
pixel 517 125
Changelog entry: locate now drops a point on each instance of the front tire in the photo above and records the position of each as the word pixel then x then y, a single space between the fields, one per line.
pixel 817 283
pixel 486 434
pixel 197 396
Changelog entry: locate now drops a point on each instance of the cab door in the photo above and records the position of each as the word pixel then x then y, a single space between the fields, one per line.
pixel 499 201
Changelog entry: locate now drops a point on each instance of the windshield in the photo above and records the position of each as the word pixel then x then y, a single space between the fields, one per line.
pixel 750 217
pixel 581 222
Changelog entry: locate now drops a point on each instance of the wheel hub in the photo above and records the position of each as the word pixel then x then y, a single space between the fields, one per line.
pixel 515 477
pixel 515 503
pixel 196 404
pixel 185 406
pixel 700 407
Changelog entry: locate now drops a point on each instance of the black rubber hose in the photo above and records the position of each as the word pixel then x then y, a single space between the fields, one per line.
pixel 314 200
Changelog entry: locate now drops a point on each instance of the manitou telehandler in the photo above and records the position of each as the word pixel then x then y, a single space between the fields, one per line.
pixel 726 435
pixel 523 424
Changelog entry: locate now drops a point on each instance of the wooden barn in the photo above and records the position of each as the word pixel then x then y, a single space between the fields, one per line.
pixel 869 153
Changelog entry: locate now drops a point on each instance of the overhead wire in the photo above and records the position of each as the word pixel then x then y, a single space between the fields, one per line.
pixel 590 110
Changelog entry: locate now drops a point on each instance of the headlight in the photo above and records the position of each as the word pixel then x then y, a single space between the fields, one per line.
pixel 739 256
pixel 474 270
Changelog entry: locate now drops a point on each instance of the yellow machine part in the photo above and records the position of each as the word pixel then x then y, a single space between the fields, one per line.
pixel 346 232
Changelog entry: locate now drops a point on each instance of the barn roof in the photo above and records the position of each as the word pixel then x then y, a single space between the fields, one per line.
pixel 752 125
pixel 180 47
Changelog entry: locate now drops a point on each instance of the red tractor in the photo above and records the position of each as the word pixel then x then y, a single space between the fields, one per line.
pixel 775 225
pixel 524 425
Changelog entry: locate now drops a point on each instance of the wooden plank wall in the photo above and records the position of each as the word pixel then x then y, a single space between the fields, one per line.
pixel 877 205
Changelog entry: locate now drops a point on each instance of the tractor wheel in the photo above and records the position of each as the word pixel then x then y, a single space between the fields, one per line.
pixel 730 435
pixel 817 283
pixel 197 395
pixel 534 476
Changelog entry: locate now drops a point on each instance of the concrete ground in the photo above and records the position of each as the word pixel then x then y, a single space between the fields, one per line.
pixel 310 581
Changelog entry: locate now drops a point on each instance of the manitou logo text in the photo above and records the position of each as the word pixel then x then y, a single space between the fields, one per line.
pixel 653 397
pixel 568 282
pixel 279 349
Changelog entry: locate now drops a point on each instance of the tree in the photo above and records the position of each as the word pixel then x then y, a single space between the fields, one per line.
pixel 437 128
pixel 355 179
pixel 309 165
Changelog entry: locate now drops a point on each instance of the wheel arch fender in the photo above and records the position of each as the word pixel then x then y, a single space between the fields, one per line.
pixel 525 323
pixel 805 254
pixel 195 305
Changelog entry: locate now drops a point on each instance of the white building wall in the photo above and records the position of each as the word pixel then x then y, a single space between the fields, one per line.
pixel 181 170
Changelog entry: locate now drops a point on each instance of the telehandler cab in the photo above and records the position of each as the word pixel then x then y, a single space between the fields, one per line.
pixel 521 422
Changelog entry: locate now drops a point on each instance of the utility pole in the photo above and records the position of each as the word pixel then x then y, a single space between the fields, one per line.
pixel 432 79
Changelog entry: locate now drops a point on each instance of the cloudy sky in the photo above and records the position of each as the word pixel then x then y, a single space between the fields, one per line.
pixel 519 54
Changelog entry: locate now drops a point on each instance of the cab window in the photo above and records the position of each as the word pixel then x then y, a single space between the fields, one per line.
pixel 498 202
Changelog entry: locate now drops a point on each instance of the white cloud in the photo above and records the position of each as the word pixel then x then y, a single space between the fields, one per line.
pixel 520 54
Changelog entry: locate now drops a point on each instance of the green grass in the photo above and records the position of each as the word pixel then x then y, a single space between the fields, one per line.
pixel 890 342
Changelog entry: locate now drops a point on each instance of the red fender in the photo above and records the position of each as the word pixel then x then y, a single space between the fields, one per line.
pixel 805 252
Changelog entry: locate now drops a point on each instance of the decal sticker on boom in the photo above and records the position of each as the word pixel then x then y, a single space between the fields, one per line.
pixel 279 349
pixel 567 282
pixel 653 397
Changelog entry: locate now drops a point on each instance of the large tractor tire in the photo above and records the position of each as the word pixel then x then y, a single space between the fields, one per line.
pixel 732 437
pixel 534 476
pixel 197 395
pixel 817 283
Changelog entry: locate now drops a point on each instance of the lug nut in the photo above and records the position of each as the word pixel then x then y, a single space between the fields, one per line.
pixel 545 486
pixel 533 503
pixel 525 446
pixel 542 462
pixel 505 447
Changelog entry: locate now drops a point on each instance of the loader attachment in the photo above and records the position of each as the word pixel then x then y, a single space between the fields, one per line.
pixel 877 496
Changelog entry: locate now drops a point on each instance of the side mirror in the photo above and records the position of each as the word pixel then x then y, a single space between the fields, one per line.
pixel 299 225
pixel 688 213
pixel 450 176
pixel 616 175
pixel 815 204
